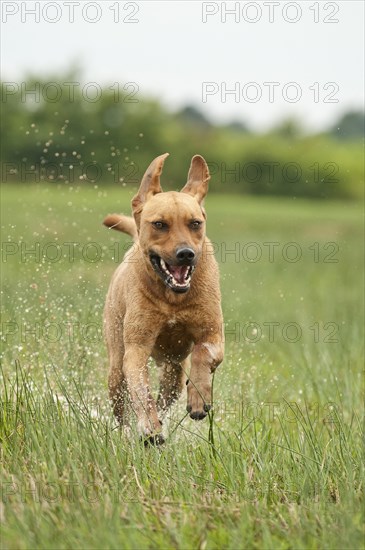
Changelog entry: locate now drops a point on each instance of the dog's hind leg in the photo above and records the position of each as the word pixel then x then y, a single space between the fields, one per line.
pixel 173 377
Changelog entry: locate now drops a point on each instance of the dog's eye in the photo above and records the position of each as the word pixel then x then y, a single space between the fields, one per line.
pixel 160 225
pixel 195 224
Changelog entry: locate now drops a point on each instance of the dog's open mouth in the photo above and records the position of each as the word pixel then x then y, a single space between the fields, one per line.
pixel 176 277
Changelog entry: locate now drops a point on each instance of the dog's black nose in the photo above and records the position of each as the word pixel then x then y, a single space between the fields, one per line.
pixel 185 255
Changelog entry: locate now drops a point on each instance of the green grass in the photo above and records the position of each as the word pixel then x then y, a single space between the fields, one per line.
pixel 278 465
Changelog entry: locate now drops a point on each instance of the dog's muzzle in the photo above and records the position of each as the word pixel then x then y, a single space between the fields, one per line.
pixel 176 277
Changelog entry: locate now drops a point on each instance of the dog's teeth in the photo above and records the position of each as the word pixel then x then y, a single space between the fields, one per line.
pixel 189 273
pixel 174 282
pixel 164 267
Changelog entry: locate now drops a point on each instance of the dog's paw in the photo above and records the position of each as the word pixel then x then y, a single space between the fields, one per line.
pixel 154 440
pixel 198 401
pixel 150 431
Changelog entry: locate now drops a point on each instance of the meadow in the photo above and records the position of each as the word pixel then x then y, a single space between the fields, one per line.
pixel 278 464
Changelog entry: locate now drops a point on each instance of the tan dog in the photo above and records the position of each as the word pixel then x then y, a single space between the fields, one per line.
pixel 164 301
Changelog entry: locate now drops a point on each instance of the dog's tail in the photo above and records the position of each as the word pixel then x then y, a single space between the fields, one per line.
pixel 126 224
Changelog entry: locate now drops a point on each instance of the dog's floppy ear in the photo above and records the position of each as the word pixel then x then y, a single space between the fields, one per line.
pixel 150 185
pixel 198 177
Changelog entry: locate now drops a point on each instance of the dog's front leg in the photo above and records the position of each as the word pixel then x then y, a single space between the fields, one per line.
pixel 205 358
pixel 136 375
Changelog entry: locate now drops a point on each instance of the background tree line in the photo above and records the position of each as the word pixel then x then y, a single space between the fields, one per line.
pixel 60 132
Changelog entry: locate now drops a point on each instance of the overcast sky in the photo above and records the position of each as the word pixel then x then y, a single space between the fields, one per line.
pixel 191 52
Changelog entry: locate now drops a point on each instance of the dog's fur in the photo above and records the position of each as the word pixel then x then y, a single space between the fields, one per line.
pixel 151 308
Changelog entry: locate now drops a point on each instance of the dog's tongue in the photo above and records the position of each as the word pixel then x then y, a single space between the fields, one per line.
pixel 178 272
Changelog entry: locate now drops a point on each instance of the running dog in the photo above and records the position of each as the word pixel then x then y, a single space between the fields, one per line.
pixel 164 302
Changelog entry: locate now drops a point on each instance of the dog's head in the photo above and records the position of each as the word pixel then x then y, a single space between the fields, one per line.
pixel 171 225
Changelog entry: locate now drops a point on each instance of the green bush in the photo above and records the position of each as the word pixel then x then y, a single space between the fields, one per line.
pixel 115 138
